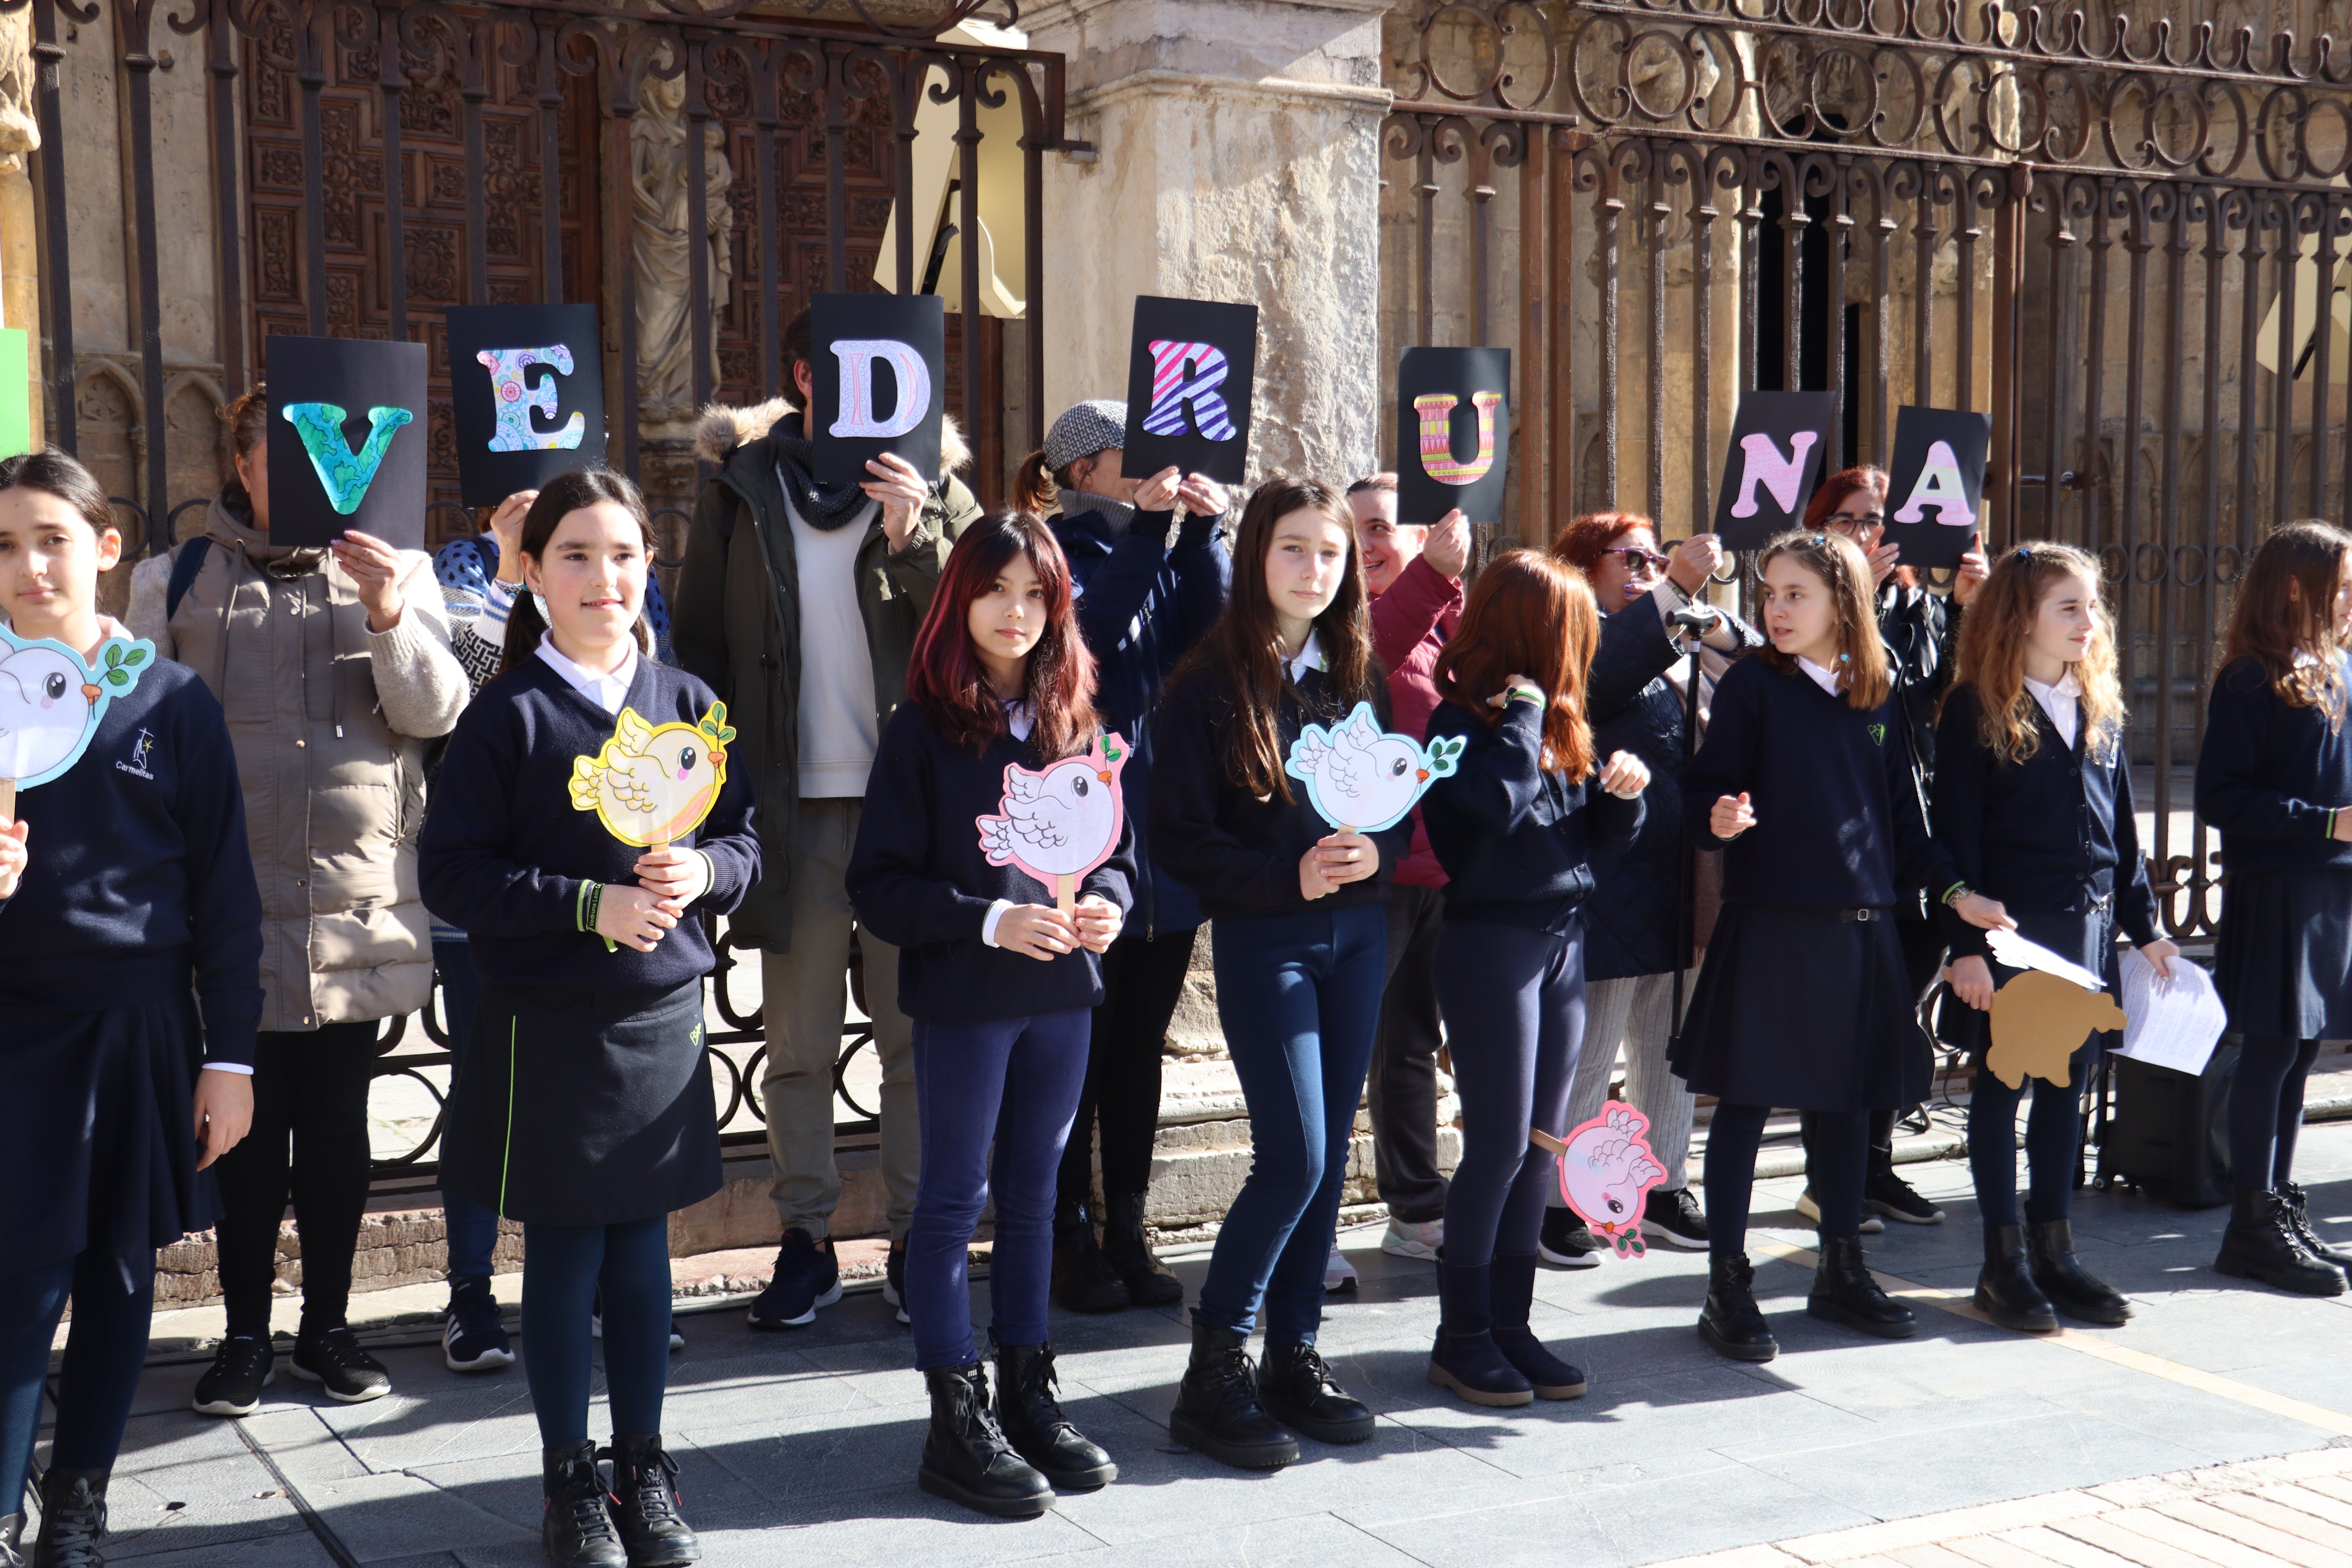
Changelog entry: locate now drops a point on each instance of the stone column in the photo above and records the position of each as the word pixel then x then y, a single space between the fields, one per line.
pixel 1236 158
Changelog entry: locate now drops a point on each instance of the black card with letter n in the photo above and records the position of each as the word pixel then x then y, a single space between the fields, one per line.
pixel 1189 381
pixel 526 396
pixel 878 363
pixel 1935 492
pixel 1453 433
pixel 1774 462
pixel 346 440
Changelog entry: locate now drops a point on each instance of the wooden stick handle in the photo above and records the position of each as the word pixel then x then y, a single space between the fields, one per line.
pixel 1546 1142
pixel 7 802
pixel 1065 896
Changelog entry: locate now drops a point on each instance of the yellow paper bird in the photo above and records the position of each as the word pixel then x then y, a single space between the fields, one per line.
pixel 653 784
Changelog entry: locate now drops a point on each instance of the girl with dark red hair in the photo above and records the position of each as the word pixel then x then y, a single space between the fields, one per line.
pixel 1000 985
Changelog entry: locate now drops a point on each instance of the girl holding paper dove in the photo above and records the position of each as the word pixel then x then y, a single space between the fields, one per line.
pixel 1804 783
pixel 584 1108
pixel 1300 938
pixel 1001 982
pixel 2275 776
pixel 130 999
pixel 2033 802
pixel 1514 827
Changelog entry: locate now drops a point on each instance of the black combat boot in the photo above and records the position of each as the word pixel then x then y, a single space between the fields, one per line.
pixel 645 1504
pixel 2050 1246
pixel 1731 1324
pixel 1844 1292
pixel 576 1531
pixel 2006 1291
pixel 966 1459
pixel 1217 1409
pixel 1030 1416
pixel 1148 1280
pixel 2262 1243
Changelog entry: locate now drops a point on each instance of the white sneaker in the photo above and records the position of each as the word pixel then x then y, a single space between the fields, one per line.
pixel 1810 1213
pixel 1407 1239
pixel 1338 1274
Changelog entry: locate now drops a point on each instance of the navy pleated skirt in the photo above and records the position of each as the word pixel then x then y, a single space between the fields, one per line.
pixel 1807 1010
pixel 2283 957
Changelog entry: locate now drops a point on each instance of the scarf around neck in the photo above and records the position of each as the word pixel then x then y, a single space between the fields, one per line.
pixel 822 509
pixel 1118 515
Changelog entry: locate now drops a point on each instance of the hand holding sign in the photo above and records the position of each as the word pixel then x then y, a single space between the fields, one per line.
pixel 878 367
pixel 346 441
pixel 650 785
pixel 1059 823
pixel 1775 459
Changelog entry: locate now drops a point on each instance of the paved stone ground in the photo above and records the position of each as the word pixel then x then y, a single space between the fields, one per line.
pixel 801 1447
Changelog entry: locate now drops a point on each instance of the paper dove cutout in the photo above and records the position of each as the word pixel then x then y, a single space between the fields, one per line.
pixel 653 785
pixel 1606 1166
pixel 51 702
pixel 1059 823
pixel 1363 778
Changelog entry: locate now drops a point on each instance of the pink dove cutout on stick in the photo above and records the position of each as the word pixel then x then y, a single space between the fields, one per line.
pixel 1606 1169
pixel 1059 822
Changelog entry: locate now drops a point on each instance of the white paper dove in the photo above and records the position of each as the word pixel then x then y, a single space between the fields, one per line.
pixel 1364 778
pixel 1060 821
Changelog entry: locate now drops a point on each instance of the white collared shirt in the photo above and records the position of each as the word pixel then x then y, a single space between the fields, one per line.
pixel 1822 676
pixel 2062 701
pixel 1310 657
pixel 606 691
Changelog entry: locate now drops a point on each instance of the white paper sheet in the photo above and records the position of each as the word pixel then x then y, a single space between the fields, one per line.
pixel 2016 952
pixel 2172 1022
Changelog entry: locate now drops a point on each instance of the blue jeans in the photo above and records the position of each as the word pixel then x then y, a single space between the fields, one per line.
pixel 473 1227
pixel 105 1354
pixel 565 1268
pixel 1013 1082
pixel 1299 998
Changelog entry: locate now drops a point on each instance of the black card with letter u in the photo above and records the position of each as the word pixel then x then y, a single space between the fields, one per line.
pixel 347 421
pixel 1453 434
pixel 1191 373
pixel 880 366
pixel 526 396
pixel 1773 464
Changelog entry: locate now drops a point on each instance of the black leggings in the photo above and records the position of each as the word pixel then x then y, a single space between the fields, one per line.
pixel 309 1090
pixel 1840 1153
pixel 106 1351
pixel 2266 1108
pixel 2052 1145
pixel 1142 980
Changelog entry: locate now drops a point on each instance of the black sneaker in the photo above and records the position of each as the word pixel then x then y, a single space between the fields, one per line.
pixel 806 1278
pixel 242 1367
pixel 473 1334
pixel 1673 1215
pixel 1897 1199
pixel 1567 1242
pixel 334 1360
pixel 894 1279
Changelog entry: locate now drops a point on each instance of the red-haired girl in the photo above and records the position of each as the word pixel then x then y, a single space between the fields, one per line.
pixel 1001 986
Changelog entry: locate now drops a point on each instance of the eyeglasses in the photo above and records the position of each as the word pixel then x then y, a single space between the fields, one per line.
pixel 1870 523
pixel 1638 559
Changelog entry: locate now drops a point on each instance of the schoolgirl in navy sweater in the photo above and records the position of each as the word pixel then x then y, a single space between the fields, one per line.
pixel 2275 776
pixel 1000 984
pixel 129 996
pixel 1514 827
pixel 1300 938
pixel 2033 802
pixel 583 1107
pixel 1804 783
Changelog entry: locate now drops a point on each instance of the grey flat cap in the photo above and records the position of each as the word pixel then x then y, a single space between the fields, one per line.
pixel 1085 429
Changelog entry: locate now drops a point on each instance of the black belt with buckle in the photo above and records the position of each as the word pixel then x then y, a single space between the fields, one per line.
pixel 1862 916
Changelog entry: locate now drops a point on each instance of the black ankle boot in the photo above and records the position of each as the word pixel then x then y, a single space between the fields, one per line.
pixel 1217 1409
pixel 2006 1290
pixel 2262 1243
pixel 73 1519
pixel 1732 1324
pixel 1466 1357
pixel 966 1459
pixel 2050 1246
pixel 1030 1416
pixel 576 1531
pixel 1148 1280
pixel 1084 1281
pixel 1844 1292
pixel 1296 1387
pixel 645 1504
pixel 1514 1275
pixel 2298 1209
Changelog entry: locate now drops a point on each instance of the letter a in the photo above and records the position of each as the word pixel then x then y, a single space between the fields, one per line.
pixel 1941 487
pixel 1783 477
pixel 345 474
pixel 513 398
pixel 1437 459
pixel 1171 390
pixel 854 412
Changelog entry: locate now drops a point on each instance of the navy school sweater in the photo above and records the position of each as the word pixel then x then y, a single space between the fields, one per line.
pixel 1237 853
pixel 1516 841
pixel 920 879
pixel 504 854
pixel 139 881
pixel 2055 832
pixel 2268 774
pixel 1838 818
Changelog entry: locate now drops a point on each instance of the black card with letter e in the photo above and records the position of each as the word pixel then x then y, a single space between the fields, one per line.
pixel 1190 377
pixel 1935 491
pixel 1453 434
pixel 879 365
pixel 347 419
pixel 526 396
pixel 1772 465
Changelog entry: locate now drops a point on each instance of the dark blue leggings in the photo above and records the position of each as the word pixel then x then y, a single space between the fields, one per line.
pixel 1514 1006
pixel 105 1353
pixel 1299 998
pixel 2053 1137
pixel 1016 1081
pixel 2266 1108
pixel 473 1228
pixel 1840 1157
pixel 562 1265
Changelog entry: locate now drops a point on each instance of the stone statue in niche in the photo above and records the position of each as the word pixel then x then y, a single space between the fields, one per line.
pixel 658 172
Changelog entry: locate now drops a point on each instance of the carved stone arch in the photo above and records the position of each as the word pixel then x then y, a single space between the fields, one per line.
pixel 197 449
pixel 111 442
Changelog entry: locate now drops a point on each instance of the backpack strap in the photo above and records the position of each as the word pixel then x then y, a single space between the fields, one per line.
pixel 187 561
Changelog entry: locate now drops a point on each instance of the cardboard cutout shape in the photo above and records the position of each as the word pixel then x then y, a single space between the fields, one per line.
pixel 1364 778
pixel 526 396
pixel 651 784
pixel 1935 492
pixel 1606 1167
pixel 51 702
pixel 1059 822
pixel 346 440
pixel 1774 461
pixel 1191 373
pixel 2040 1021
pixel 879 368
pixel 1453 433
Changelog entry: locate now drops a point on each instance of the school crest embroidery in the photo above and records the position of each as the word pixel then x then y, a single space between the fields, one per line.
pixel 1878 734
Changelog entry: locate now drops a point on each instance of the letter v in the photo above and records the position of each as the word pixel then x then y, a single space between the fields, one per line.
pixel 345 474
